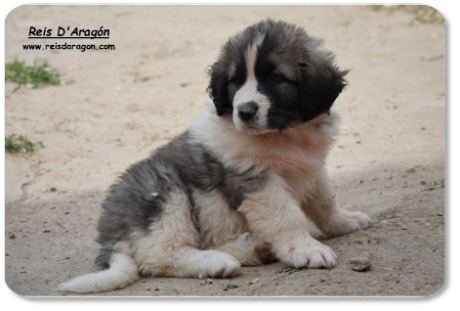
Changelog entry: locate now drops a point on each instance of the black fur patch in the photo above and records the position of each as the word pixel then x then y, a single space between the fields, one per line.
pixel 309 89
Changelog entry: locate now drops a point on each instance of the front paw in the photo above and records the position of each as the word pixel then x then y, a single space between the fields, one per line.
pixel 345 222
pixel 308 254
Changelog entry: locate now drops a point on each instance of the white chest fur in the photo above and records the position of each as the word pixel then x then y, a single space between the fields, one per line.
pixel 297 154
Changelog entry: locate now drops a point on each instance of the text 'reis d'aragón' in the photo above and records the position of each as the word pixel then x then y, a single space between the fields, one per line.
pixel 75 32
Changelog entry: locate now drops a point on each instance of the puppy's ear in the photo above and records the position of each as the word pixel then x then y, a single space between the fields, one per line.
pixel 318 89
pixel 217 89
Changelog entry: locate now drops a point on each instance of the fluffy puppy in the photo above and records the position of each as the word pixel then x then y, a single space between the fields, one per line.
pixel 244 177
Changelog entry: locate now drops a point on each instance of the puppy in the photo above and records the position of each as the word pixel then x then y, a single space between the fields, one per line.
pixel 243 178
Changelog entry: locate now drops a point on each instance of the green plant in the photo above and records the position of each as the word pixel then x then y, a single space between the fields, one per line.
pixel 432 184
pixel 15 144
pixel 289 270
pixel 37 75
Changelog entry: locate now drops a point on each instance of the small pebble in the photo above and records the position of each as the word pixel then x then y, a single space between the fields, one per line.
pixel 231 285
pixel 225 289
pixel 403 228
pixel 203 283
pixel 209 281
pixel 360 263
pixel 53 189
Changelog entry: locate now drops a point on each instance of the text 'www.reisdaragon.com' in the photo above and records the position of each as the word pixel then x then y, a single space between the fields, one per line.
pixel 66 46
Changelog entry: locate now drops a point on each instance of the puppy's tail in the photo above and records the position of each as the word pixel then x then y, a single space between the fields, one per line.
pixel 122 272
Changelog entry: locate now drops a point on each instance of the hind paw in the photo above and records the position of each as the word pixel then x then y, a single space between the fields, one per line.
pixel 346 222
pixel 219 264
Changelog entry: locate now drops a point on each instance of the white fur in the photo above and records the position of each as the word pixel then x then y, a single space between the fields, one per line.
pixel 243 249
pixel 169 249
pixel 248 92
pixel 212 208
pixel 300 151
pixel 122 272
pixel 275 216
pixel 297 186
pixel 324 211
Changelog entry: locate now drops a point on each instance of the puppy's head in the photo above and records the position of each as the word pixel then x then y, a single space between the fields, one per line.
pixel 272 76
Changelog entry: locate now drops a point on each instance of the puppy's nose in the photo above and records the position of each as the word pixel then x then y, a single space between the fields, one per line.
pixel 247 111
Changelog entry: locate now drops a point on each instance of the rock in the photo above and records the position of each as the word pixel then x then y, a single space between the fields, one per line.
pixel 360 263
pixel 231 285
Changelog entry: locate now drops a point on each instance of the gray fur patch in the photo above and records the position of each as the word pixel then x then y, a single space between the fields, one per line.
pixel 140 195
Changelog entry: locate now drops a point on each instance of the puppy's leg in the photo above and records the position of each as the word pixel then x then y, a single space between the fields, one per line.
pixel 243 248
pixel 276 218
pixel 171 246
pixel 332 220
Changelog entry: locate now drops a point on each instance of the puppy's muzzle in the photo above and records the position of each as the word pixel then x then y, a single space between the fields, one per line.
pixel 247 111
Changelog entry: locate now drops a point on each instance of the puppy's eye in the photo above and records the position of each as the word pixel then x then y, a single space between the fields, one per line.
pixel 275 77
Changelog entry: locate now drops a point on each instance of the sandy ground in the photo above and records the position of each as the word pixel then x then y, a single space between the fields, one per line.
pixel 117 106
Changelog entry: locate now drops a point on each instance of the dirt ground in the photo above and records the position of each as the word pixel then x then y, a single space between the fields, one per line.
pixel 116 106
